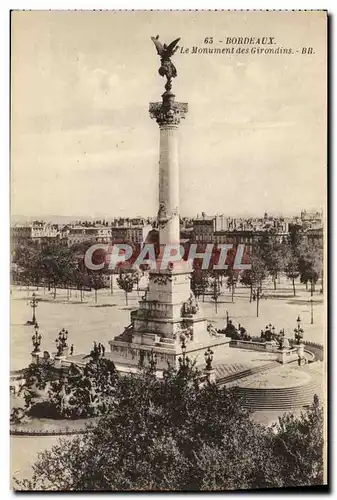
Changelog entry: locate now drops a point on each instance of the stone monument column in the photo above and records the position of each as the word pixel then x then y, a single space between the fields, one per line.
pixel 168 114
pixel 168 311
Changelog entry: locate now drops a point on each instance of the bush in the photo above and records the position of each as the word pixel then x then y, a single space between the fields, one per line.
pixel 43 409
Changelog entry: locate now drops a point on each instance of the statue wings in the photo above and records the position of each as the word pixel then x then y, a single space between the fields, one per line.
pixel 163 50
pixel 172 47
pixel 158 44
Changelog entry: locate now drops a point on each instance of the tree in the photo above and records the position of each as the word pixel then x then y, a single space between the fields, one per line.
pixel 215 287
pixel 174 434
pixel 125 282
pixel 111 275
pixel 80 279
pixel 232 281
pixel 200 280
pixel 27 260
pixel 57 264
pixel 72 393
pixel 137 275
pixel 154 447
pixel 310 263
pixel 299 445
pixel 246 280
pixel 38 375
pixel 273 253
pixel 292 269
pixel 253 278
pixel 85 393
pixel 52 264
pixel 244 463
pixel 96 281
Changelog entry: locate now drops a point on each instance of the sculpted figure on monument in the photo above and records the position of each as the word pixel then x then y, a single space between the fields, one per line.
pixel 163 216
pixel 165 52
pixel 230 330
pixel 286 344
pixel 162 213
pixel 190 307
pixel 211 330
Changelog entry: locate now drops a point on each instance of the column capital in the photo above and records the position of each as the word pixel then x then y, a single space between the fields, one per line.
pixel 168 112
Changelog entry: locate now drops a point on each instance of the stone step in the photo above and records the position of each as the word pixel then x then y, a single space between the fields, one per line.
pixel 286 392
pixel 279 391
pixel 222 371
pixel 246 373
pixel 295 397
pixel 280 402
pixel 279 398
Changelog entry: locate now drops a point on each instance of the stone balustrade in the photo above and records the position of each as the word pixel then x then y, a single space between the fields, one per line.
pixel 246 344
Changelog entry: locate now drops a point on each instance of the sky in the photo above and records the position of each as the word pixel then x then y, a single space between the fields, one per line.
pixel 82 141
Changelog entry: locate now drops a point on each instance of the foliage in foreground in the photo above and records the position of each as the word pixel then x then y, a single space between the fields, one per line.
pixel 78 393
pixel 171 434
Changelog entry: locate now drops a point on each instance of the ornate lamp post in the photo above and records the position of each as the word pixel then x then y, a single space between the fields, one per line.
pixel 311 312
pixel 269 331
pixel 33 304
pixel 183 345
pixel 153 362
pixel 298 331
pixel 61 341
pixel 184 361
pixel 209 370
pixel 36 339
pixel 281 337
pixel 209 358
pixel 94 353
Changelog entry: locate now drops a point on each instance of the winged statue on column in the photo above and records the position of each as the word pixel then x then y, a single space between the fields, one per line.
pixel 165 52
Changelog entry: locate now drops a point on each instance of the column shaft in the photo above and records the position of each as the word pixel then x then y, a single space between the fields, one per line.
pixel 169 184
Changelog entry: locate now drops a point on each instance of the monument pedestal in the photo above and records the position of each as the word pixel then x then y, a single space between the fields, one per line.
pixel 36 355
pixel 58 360
pixel 286 355
pixel 167 313
pixel 210 376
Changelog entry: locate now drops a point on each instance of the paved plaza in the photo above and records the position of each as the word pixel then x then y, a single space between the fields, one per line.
pixel 24 451
pixel 87 321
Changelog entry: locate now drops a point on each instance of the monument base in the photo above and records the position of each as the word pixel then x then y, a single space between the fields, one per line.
pixel 285 356
pixel 131 356
pixel 168 313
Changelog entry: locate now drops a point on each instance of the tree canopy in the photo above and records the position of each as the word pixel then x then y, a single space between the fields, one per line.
pixel 172 434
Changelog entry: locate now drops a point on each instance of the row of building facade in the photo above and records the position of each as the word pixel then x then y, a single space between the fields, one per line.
pixel 43 233
pixel 204 229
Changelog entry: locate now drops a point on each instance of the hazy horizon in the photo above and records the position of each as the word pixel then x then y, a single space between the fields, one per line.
pixel 52 217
